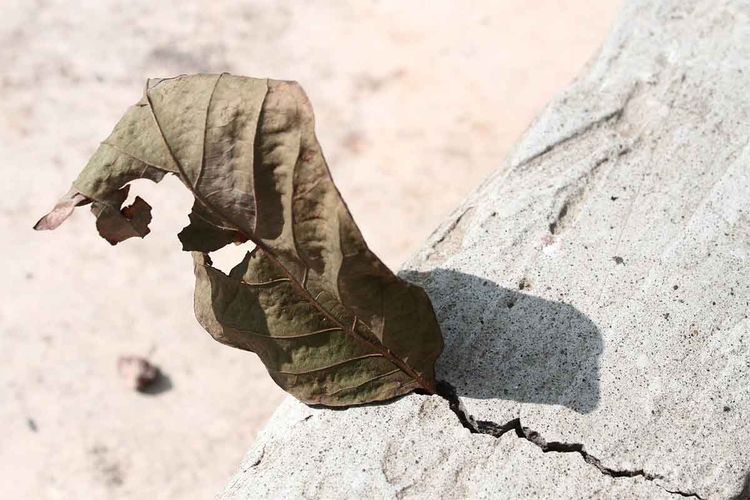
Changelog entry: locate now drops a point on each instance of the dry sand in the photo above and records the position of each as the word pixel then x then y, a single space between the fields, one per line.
pixel 415 103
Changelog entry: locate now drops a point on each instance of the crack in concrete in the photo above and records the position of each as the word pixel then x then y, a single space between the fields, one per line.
pixel 577 190
pixel 257 461
pixel 610 117
pixel 448 392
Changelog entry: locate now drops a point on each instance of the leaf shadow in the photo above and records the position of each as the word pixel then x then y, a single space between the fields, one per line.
pixel 162 383
pixel 507 344
pixel 745 493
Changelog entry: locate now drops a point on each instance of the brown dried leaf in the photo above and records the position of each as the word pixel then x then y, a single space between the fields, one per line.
pixel 330 321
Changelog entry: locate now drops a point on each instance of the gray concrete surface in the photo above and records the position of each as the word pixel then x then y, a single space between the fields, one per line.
pixel 594 295
pixel 412 448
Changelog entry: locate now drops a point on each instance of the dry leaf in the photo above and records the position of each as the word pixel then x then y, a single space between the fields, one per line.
pixel 330 321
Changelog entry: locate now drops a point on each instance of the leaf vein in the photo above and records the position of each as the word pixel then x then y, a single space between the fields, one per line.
pixel 372 379
pixel 266 283
pixel 287 337
pixel 136 158
pixel 202 166
pixel 334 365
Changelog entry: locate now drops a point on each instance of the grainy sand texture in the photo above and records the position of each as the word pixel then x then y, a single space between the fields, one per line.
pixel 416 102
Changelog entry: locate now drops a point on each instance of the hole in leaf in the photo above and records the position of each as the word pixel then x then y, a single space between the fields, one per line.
pixel 169 201
pixel 225 258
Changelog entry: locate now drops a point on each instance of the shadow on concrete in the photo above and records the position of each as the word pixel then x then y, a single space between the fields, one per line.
pixel 509 344
pixel 745 493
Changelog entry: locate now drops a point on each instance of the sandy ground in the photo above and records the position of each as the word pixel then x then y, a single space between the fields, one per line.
pixel 415 103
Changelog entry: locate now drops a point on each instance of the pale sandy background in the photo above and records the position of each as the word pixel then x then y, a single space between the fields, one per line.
pixel 415 103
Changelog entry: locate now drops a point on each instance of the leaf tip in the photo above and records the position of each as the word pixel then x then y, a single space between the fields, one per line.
pixel 61 211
